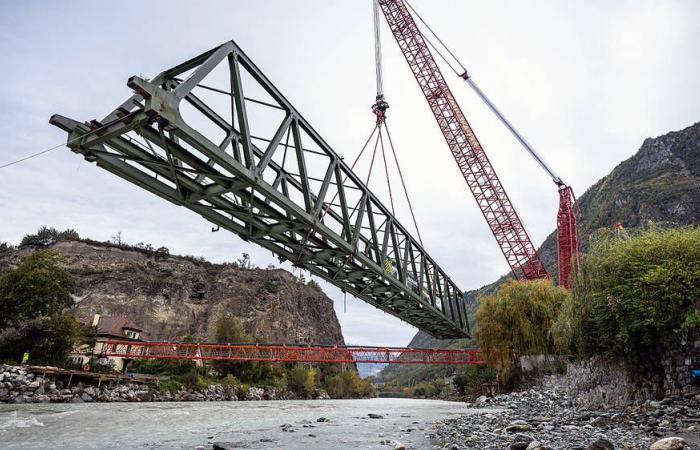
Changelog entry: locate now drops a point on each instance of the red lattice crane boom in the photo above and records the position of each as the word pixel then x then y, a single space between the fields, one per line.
pixel 505 224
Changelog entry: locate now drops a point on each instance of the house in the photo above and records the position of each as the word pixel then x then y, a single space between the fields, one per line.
pixel 110 328
pixel 117 327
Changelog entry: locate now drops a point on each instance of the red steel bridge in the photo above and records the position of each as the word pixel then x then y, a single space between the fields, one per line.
pixel 289 353
pixel 214 135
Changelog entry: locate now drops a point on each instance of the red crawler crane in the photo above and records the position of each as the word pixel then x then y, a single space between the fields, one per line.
pixel 505 224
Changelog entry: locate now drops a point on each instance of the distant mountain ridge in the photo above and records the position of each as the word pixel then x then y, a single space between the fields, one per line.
pixel 660 183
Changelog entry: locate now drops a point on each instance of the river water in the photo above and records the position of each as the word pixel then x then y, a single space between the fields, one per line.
pixel 255 424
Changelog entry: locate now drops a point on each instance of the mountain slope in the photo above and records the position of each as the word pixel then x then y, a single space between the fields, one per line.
pixel 660 183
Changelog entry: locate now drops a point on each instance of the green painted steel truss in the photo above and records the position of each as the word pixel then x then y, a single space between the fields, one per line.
pixel 216 136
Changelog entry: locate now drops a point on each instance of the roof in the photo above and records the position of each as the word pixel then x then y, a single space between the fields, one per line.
pixel 115 326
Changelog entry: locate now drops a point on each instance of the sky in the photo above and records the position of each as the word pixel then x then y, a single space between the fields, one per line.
pixel 585 81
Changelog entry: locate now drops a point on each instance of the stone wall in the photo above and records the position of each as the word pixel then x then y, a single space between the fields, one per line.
pixel 677 366
pixel 596 383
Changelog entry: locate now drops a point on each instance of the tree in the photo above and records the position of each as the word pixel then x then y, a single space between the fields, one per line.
pixel 229 330
pixel 38 287
pixel 49 340
pixel 244 261
pixel 517 320
pixel 302 381
pixel 117 238
pixel 633 297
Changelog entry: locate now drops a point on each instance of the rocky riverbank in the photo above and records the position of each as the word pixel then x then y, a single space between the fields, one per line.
pixel 17 385
pixel 549 417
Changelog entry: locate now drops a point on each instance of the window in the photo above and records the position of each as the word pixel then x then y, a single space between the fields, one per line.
pixel 131 334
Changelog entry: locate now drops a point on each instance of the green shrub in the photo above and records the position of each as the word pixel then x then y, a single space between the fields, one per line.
pixel 314 284
pixel 5 247
pixel 201 384
pixel 691 323
pixel 230 382
pixel 165 366
pixel 473 379
pixel 172 386
pixel 45 237
pixel 272 287
pixel 633 297
pixel 429 389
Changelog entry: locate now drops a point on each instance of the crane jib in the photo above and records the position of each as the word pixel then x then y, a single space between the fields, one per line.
pixel 490 195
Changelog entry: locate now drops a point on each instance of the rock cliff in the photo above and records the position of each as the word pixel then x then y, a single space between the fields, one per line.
pixel 172 297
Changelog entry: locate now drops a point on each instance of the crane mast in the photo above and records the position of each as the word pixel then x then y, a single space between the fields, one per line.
pixel 503 220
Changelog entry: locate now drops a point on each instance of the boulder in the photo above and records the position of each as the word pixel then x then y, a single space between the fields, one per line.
pixel 520 442
pixel 669 443
pixel 518 425
pixel 601 444
pixel 537 445
pixel 481 399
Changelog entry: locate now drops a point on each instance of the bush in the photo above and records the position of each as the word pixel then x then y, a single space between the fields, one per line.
pixel 302 381
pixel 45 237
pixel 37 287
pixel 172 386
pixel 633 297
pixel 516 321
pixel 272 287
pixel 473 379
pixel 5 247
pixel 314 284
pixel 230 382
pixel 165 367
pixel 348 384
pixel 429 389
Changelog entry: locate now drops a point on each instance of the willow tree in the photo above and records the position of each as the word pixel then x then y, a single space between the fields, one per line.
pixel 516 321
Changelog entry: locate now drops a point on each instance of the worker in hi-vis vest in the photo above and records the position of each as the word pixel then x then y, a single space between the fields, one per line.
pixel 25 357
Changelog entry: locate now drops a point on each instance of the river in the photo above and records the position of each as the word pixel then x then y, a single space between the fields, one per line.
pixel 255 424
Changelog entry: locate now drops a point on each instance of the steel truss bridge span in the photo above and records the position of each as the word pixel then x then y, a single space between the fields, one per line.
pixel 214 135
pixel 289 353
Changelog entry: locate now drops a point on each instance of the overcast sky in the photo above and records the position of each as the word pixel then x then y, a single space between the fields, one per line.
pixel 585 81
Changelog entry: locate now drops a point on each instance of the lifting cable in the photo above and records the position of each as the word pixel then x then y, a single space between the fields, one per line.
pixel 71 141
